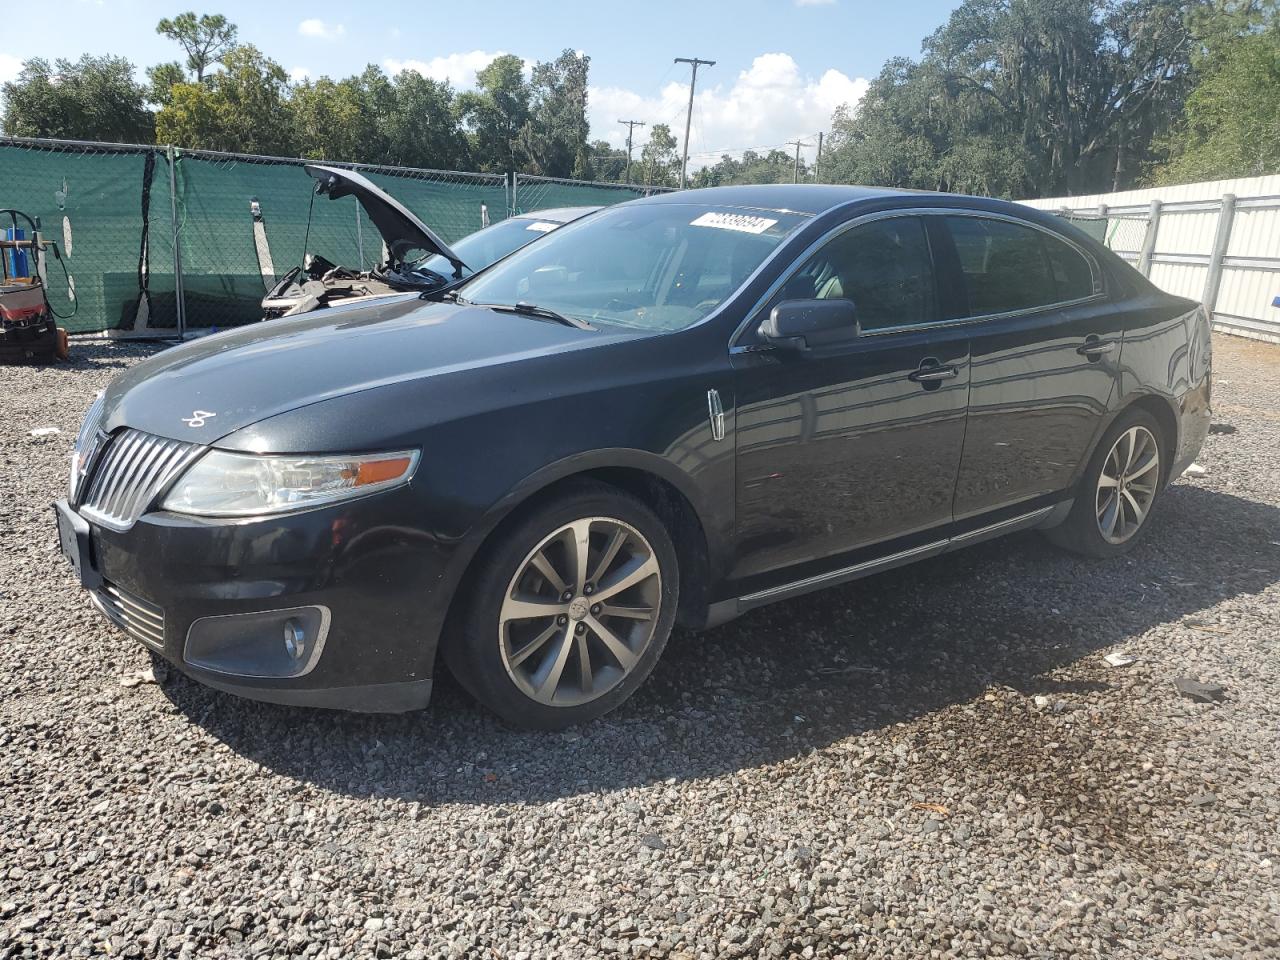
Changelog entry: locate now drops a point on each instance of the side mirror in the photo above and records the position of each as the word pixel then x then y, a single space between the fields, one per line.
pixel 802 325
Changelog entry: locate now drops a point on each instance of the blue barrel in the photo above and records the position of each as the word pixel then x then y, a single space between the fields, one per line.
pixel 16 263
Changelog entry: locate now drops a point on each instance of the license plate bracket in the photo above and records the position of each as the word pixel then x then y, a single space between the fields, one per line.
pixel 76 542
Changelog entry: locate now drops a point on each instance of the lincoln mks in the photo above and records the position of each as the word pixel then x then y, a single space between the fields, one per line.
pixel 669 412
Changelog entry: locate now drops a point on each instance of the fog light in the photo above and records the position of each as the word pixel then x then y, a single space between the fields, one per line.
pixel 295 639
pixel 248 644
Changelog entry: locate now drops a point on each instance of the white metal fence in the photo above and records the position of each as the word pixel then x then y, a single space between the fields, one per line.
pixel 1216 242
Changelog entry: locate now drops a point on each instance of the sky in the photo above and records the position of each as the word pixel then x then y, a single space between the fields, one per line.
pixel 782 66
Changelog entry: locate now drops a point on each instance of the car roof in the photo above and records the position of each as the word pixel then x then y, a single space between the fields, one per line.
pixel 810 198
pixel 556 214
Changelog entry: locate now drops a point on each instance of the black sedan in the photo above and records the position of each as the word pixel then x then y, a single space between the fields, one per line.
pixel 672 411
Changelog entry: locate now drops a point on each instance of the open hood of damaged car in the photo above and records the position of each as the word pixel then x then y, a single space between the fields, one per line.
pixel 400 228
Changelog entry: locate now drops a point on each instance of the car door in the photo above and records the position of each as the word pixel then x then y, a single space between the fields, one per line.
pixel 1044 356
pixel 857 443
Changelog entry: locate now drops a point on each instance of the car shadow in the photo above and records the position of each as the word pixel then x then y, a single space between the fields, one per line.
pixel 796 676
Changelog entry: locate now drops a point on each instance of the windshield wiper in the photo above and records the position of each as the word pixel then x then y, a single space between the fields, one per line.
pixel 533 310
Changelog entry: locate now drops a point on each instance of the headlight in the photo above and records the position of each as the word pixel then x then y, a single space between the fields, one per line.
pixel 222 484
pixel 85 445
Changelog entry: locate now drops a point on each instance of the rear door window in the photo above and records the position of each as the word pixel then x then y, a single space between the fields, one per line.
pixel 1009 266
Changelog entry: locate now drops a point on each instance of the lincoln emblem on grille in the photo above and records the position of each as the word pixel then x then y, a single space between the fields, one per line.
pixel 197 418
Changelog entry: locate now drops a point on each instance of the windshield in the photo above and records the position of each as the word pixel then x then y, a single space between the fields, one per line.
pixel 479 249
pixel 660 266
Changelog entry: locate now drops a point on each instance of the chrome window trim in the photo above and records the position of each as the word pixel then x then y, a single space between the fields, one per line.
pixel 752 316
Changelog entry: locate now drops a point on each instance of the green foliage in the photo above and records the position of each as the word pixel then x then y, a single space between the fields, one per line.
pixel 1231 123
pixel 659 159
pixel 1024 98
pixel 554 138
pixel 244 108
pixel 776 166
pixel 610 165
pixel 93 98
pixel 161 80
pixel 495 114
pixel 206 39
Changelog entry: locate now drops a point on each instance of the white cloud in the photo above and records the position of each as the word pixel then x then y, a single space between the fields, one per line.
pixel 319 30
pixel 10 67
pixel 459 69
pixel 299 75
pixel 766 105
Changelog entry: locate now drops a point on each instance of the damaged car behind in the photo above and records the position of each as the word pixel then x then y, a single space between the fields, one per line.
pixel 416 259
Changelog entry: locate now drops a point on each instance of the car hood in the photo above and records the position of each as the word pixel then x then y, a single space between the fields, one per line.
pixel 206 389
pixel 400 227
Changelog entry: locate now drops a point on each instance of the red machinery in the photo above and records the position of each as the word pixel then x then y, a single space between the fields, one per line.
pixel 28 330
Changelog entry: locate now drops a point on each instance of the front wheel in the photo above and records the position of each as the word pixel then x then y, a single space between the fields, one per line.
pixel 1118 491
pixel 570 610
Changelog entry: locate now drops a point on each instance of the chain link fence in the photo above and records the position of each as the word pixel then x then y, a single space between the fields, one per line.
pixel 227 265
pixel 543 193
pixel 1125 234
pixel 95 201
pixel 158 240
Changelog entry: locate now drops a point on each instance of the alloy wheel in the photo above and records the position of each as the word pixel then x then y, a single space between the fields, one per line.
pixel 1127 484
pixel 580 611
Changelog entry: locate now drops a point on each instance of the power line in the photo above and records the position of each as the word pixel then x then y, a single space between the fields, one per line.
pixel 688 120
pixel 631 126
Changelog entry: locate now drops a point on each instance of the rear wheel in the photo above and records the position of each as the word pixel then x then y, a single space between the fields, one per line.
pixel 1118 491
pixel 570 611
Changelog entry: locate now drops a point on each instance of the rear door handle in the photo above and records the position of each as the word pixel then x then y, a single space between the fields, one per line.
pixel 1093 348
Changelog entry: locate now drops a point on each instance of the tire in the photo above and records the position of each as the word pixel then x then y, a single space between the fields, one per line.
pixel 1092 527
pixel 526 665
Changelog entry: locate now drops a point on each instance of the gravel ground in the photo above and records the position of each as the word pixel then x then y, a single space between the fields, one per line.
pixel 932 762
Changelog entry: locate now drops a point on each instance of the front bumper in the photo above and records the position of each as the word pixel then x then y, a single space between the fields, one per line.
pixel 383 586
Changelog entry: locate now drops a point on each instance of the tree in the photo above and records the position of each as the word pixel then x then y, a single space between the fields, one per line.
pixel 555 135
pixel 245 108
pixel 495 113
pixel 659 159
pixel 1025 98
pixel 608 164
pixel 160 82
pixel 422 126
pixel 1230 126
pixel 93 98
pixel 774 167
pixel 345 119
pixel 206 39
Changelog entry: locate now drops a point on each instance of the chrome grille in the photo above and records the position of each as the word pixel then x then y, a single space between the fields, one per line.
pixel 129 474
pixel 139 618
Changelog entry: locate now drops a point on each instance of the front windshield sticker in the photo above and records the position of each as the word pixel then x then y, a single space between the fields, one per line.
pixel 734 221
pixel 542 226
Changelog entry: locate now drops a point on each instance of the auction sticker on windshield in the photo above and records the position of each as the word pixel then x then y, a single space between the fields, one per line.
pixel 541 226
pixel 742 222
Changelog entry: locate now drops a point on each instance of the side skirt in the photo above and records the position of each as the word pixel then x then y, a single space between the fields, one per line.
pixel 1044 517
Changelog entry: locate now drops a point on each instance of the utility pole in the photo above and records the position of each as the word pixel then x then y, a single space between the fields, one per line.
pixel 795 176
pixel 688 120
pixel 631 125
pixel 817 160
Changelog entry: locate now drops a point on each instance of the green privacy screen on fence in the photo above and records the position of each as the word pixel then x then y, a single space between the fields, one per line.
pixel 543 193
pixel 114 203
pixel 91 204
pixel 222 282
